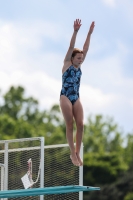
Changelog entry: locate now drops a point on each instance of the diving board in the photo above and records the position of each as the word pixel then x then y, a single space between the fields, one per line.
pixel 46 191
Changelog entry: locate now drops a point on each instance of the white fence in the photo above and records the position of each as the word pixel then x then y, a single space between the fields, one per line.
pixel 50 164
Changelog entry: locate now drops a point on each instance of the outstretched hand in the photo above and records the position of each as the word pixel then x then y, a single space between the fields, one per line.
pixel 77 24
pixel 92 27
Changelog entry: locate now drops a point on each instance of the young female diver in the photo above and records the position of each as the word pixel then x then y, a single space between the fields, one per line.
pixel 69 97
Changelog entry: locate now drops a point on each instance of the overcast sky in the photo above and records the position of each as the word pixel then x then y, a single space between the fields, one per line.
pixel 34 38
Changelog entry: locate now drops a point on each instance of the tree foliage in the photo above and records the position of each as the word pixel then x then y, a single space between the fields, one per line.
pixel 102 135
pixel 20 117
pixel 129 196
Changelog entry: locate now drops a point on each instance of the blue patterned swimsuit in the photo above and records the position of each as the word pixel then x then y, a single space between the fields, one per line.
pixel 71 83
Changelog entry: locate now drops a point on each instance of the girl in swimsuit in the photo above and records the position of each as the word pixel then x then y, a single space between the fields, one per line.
pixel 69 98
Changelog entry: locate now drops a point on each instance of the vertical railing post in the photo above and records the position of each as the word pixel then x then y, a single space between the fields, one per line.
pixel 6 167
pixel 2 166
pixel 2 177
pixel 42 167
pixel 81 173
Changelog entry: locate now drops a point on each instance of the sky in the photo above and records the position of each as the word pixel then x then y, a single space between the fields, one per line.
pixel 35 36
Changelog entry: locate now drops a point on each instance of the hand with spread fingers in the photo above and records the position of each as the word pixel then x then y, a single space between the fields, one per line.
pixel 77 24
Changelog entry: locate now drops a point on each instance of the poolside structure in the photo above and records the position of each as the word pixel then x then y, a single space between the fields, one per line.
pixel 30 168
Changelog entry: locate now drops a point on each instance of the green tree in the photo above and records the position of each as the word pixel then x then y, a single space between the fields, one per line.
pixel 16 105
pixel 122 189
pixel 129 196
pixel 20 117
pixel 103 151
pixel 102 135
pixel 128 153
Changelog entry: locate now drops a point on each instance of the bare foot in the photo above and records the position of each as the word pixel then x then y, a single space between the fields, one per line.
pixel 79 159
pixel 74 160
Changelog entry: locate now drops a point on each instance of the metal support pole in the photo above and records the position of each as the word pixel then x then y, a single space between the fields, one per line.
pixel 81 173
pixel 6 167
pixel 42 167
pixel 2 175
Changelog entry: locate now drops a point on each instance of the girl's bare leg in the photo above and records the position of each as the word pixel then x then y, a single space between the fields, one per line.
pixel 78 115
pixel 67 110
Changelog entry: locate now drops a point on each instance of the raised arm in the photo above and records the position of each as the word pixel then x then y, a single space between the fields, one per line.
pixel 76 26
pixel 87 41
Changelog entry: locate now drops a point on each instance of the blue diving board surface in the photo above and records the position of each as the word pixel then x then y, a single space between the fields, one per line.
pixel 46 191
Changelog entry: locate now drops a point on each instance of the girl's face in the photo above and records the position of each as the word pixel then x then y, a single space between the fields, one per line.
pixel 77 59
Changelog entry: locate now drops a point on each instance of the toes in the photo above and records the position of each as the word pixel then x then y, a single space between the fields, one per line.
pixel 74 161
pixel 79 159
